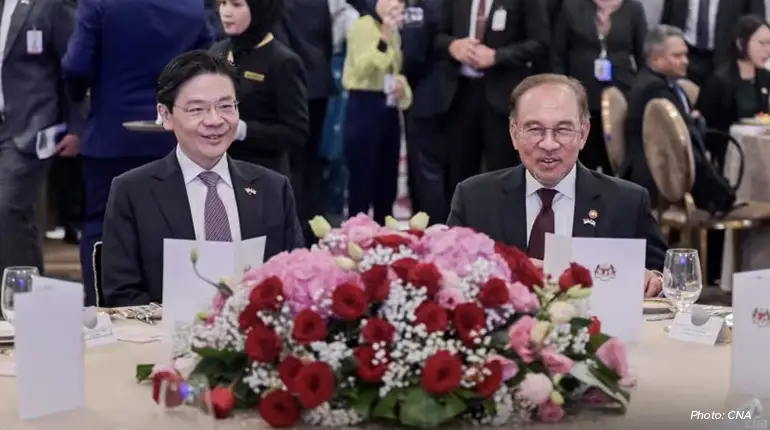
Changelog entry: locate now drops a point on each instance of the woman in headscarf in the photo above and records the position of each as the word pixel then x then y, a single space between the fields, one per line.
pixel 601 44
pixel 272 96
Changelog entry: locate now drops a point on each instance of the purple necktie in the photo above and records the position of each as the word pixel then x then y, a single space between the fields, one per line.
pixel 217 226
pixel 544 223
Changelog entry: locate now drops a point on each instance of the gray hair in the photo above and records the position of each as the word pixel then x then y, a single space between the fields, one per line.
pixel 657 38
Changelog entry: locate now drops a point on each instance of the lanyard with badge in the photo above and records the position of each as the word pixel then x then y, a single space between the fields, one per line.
pixel 414 16
pixel 602 65
pixel 34 41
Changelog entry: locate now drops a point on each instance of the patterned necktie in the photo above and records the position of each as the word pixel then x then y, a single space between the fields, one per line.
pixel 544 223
pixel 702 25
pixel 481 19
pixel 217 226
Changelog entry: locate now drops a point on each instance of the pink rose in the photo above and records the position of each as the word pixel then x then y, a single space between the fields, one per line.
pixel 510 369
pixel 536 387
pixel 613 354
pixel 519 337
pixel 450 280
pixel 550 412
pixel 555 363
pixel 457 248
pixel 360 229
pixel 522 299
pixel 449 298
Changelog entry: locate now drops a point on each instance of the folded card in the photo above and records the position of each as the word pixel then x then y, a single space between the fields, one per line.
pixel 751 334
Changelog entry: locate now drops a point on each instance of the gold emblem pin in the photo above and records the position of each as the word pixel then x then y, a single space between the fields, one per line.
pixel 593 214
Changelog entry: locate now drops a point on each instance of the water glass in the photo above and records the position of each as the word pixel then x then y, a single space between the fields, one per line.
pixel 16 279
pixel 186 404
pixel 682 278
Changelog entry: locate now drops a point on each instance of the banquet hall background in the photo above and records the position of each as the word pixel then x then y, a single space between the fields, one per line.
pixel 432 158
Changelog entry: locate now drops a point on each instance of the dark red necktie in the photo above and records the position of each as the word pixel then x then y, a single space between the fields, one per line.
pixel 481 19
pixel 544 223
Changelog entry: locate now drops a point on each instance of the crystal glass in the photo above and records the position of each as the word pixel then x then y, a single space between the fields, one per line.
pixel 16 279
pixel 186 404
pixel 682 278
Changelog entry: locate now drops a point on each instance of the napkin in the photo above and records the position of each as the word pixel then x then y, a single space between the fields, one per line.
pixel 137 334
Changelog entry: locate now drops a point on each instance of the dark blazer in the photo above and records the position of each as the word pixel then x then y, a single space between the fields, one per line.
pixel 576 45
pixel 717 100
pixel 648 85
pixel 420 61
pixel 675 13
pixel 102 55
pixel 272 101
pixel 494 204
pixel 149 204
pixel 523 42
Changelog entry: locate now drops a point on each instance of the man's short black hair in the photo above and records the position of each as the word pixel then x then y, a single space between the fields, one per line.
pixel 186 67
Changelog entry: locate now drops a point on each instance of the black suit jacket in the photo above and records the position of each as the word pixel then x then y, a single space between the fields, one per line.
pixel 718 102
pixel 494 204
pixel 576 46
pixel 523 42
pixel 149 204
pixel 648 85
pixel 675 13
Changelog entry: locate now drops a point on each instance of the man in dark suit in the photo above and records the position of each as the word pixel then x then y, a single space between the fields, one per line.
pixel 708 27
pixel 488 46
pixel 102 56
pixel 196 192
pixel 551 192
pixel 666 54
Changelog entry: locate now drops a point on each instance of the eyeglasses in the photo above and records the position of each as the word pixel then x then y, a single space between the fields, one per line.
pixel 562 135
pixel 225 108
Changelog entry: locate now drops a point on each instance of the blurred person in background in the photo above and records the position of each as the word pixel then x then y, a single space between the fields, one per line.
pixel 600 43
pixel 272 99
pixel 118 49
pixel 377 92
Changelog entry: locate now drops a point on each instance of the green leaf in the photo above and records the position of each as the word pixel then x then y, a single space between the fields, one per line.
pixel 229 357
pixel 598 340
pixel 363 402
pixel 386 407
pixel 589 375
pixel 245 397
pixel 580 322
pixel 500 339
pixel 466 393
pixel 143 372
pixel 423 410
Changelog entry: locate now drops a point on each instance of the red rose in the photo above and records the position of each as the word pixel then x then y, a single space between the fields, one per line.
pixel 494 293
pixel 417 233
pixel 529 274
pixel 222 402
pixel 279 409
pixel 248 318
pixel 367 371
pixel 263 344
pixel 288 370
pixel 403 266
pixel 575 275
pixel 349 302
pixel 378 330
pixel 376 283
pixel 432 315
pixel 392 240
pixel 469 317
pixel 425 275
pixel 308 327
pixel 595 327
pixel 314 384
pixel 511 255
pixel 491 382
pixel 169 383
pixel 268 295
pixel 442 373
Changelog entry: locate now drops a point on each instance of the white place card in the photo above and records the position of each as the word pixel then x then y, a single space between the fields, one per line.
pixel 49 352
pixel 683 329
pixel 558 254
pixel 617 268
pixel 751 334
pixel 101 334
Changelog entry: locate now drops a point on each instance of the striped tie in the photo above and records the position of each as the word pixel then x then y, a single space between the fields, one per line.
pixel 215 219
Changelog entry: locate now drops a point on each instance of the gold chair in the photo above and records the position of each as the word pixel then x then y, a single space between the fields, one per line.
pixel 691 89
pixel 668 150
pixel 614 113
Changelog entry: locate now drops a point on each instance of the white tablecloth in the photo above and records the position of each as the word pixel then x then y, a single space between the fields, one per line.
pixel 675 378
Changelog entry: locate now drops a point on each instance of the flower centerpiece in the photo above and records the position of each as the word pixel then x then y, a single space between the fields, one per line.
pixel 415 328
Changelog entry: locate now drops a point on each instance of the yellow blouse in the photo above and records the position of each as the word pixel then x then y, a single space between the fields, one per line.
pixel 366 66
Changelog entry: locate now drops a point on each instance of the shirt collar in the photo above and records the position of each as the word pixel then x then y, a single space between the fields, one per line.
pixel 191 170
pixel 566 186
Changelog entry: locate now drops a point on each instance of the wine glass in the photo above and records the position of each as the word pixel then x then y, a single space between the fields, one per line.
pixel 682 278
pixel 186 403
pixel 16 279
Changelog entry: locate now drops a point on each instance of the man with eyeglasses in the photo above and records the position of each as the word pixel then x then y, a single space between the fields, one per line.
pixel 196 192
pixel 549 124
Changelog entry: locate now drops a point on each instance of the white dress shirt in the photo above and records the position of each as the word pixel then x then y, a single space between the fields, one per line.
pixel 196 194
pixel 563 203
pixel 691 26
pixel 5 24
pixel 465 70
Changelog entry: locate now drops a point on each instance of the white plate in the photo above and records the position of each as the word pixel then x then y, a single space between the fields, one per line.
pixel 756 121
pixel 656 306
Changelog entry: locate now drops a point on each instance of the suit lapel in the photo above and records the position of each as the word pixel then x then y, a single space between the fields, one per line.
pixel 588 204
pixel 513 208
pixel 250 200
pixel 18 18
pixel 170 194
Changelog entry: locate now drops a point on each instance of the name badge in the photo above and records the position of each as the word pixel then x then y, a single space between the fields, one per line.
pixel 498 19
pixel 413 16
pixel 602 70
pixel 388 86
pixel 34 42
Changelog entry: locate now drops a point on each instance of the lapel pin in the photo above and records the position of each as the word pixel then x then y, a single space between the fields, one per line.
pixel 592 214
pixel 589 221
pixel 250 191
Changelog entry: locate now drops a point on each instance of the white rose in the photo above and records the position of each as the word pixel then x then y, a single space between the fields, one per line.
pixel 320 226
pixel 392 223
pixel 539 332
pixel 536 387
pixel 344 263
pixel 419 221
pixel 562 312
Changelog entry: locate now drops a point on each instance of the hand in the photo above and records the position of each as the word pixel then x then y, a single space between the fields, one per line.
pixel 653 283
pixel 482 57
pixel 462 50
pixel 398 89
pixel 69 146
pixel 696 114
